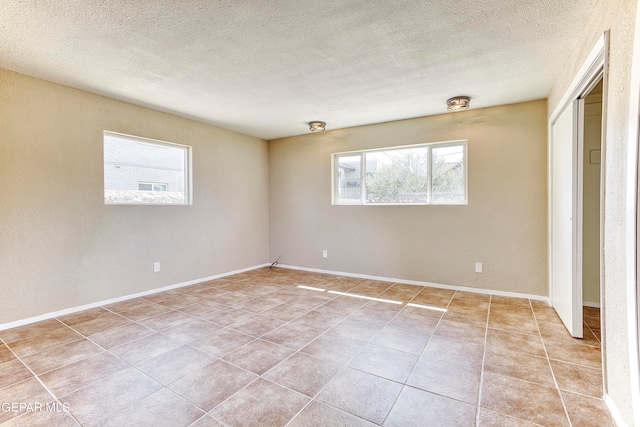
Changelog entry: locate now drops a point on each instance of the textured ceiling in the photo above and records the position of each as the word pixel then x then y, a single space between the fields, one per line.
pixel 266 67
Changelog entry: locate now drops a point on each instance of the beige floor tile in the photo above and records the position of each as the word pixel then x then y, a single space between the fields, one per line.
pixel 446 379
pixel 334 348
pixel 454 351
pixel 180 300
pixel 25 392
pixel 24 332
pixel 523 400
pixel 5 354
pixel 292 336
pixel 143 349
pixel 100 322
pixel 487 418
pixel 37 343
pixel 255 305
pixel 165 320
pixel 522 343
pixel 285 312
pixel 373 315
pixel 415 321
pixel 356 329
pixel 220 342
pixel 118 336
pixel 257 326
pixel 473 317
pixel 162 408
pixel 587 411
pixel 226 316
pixel 303 373
pixel 572 351
pixel 384 362
pixel 318 414
pixel 578 379
pixel 518 365
pixel 91 404
pixel 201 308
pixel 74 376
pixel 318 320
pixel 207 421
pixel 190 330
pixel 142 310
pixel 258 356
pixel 260 403
pixel 364 395
pixel 420 408
pixel 212 384
pixel 13 372
pixel 402 339
pixel 61 355
pixel 43 419
pixel 461 331
pixel 174 364
pixel 513 322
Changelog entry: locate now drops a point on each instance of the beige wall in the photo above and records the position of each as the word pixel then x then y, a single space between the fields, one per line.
pixel 591 201
pixel 61 247
pixel 618 16
pixel 504 225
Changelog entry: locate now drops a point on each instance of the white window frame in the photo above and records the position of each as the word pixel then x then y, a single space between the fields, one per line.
pixel 362 153
pixel 188 185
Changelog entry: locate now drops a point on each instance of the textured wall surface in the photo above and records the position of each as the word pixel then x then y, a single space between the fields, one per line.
pixel 618 16
pixel 504 224
pixel 61 247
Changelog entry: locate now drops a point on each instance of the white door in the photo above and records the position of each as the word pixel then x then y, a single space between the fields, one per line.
pixel 566 277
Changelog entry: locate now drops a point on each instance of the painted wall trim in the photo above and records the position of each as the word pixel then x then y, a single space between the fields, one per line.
pixel 76 309
pixel 419 283
pixel 613 410
pixel 591 304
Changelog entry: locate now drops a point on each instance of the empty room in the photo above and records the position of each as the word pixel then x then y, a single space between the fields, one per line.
pixel 298 213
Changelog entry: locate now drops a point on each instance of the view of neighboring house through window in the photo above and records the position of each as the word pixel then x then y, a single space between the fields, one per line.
pixel 144 171
pixel 414 175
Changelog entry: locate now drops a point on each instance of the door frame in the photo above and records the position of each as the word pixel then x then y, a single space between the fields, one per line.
pixel 593 68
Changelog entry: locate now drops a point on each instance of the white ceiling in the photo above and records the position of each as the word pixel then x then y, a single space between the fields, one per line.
pixel 267 67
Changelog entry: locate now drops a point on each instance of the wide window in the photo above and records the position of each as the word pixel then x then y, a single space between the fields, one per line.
pixel 409 175
pixel 139 171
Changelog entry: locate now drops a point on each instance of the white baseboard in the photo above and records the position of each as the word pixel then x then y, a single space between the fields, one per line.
pixel 591 304
pixel 419 283
pixel 615 413
pixel 72 310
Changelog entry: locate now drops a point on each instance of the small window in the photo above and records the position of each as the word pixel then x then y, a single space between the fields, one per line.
pixel 139 171
pixel 152 186
pixel 409 175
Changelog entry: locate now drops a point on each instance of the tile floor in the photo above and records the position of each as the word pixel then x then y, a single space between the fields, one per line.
pixel 255 349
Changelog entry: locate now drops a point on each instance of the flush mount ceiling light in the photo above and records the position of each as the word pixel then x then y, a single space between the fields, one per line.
pixel 458 103
pixel 317 126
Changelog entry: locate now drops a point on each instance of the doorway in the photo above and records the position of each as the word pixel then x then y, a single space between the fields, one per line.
pixel 591 214
pixel 569 158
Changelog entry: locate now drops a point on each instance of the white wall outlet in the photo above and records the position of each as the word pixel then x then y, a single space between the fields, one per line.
pixel 324 253
pixel 478 267
pixel 156 266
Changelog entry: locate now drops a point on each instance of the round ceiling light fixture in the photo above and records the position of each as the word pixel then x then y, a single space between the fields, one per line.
pixel 317 126
pixel 458 103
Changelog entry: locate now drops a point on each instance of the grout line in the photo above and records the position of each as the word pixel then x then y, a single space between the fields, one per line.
pixel 553 375
pixel 37 377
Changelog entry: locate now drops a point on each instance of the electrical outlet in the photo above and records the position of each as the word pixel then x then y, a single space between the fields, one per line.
pixel 478 267
pixel 324 253
pixel 156 266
